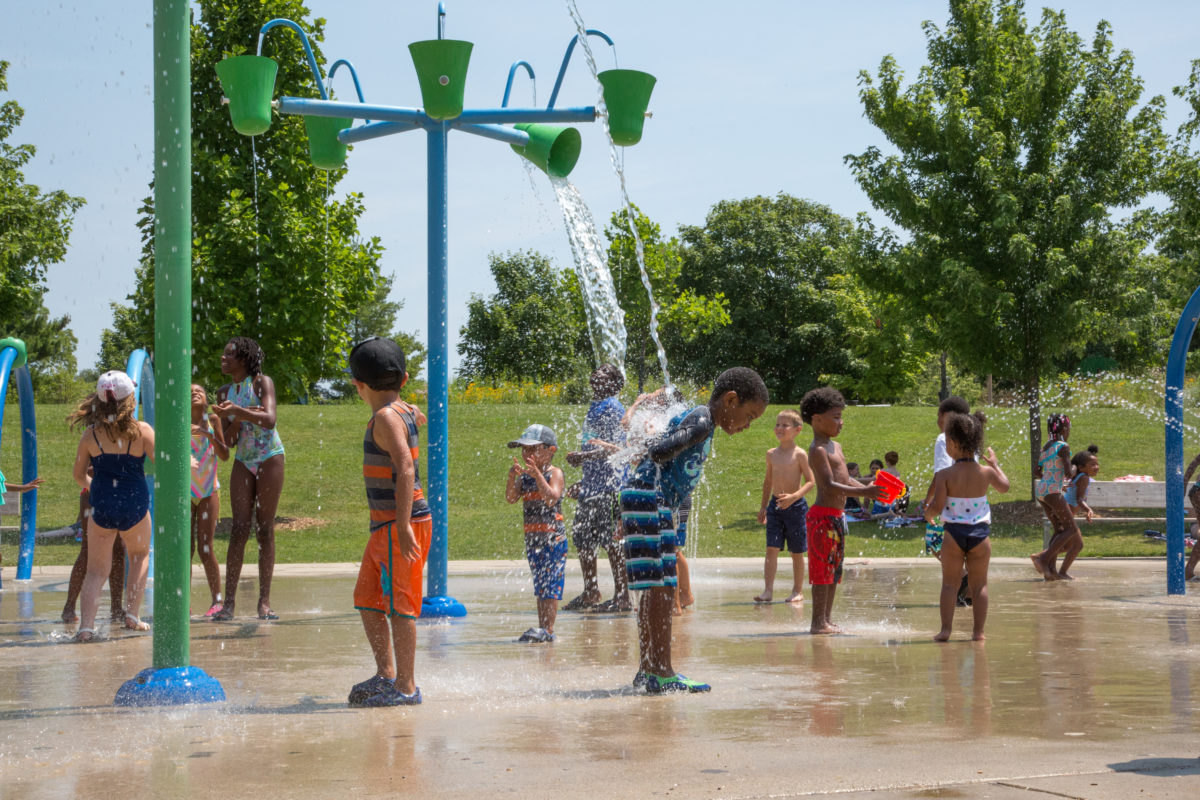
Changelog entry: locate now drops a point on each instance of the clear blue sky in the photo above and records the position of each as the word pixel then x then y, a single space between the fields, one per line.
pixel 751 99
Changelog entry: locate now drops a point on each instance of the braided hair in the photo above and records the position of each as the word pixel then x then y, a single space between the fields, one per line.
pixel 249 353
pixel 1056 426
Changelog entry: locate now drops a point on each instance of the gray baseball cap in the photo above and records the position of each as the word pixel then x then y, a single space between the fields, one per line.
pixel 535 434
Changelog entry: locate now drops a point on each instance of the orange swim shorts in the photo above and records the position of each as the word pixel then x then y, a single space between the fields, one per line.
pixel 387 582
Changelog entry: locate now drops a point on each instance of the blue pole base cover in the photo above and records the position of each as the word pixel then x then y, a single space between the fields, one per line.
pixel 442 607
pixel 171 686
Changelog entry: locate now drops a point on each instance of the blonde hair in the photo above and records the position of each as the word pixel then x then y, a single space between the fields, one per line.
pixel 792 416
pixel 114 417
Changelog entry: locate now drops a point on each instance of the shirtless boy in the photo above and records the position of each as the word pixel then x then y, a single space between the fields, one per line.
pixel 826 521
pixel 788 479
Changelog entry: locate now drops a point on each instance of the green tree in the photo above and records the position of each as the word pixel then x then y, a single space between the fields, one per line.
pixel 276 255
pixel 532 327
pixel 683 315
pixel 1179 225
pixel 34 225
pixel 1012 149
pixel 795 308
pixel 378 318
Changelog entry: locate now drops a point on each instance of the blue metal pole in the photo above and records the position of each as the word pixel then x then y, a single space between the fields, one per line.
pixel 29 471
pixel 436 602
pixel 1176 363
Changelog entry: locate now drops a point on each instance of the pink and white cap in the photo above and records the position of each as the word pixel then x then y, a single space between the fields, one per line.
pixel 114 385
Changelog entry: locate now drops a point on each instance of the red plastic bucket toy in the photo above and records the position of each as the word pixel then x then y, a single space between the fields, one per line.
pixel 892 487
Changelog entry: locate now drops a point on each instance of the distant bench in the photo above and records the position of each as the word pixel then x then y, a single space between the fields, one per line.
pixel 1123 494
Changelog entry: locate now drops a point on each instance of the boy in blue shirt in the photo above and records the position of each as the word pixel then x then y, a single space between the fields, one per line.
pixel 596 517
pixel 665 476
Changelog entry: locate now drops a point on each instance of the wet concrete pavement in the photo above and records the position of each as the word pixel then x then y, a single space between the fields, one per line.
pixel 1086 690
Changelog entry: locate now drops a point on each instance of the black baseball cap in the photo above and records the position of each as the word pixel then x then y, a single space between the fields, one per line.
pixel 377 361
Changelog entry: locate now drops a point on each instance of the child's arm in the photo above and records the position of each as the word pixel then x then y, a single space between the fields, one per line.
pixel 997 479
pixel 512 492
pixel 766 493
pixel 148 437
pixel 595 449
pixel 21 488
pixel 83 460
pixel 1064 455
pixel 261 415
pixel 391 434
pixel 1081 488
pixel 1187 476
pixel 937 495
pixel 791 498
pixel 551 490
pixel 217 439
pixel 822 472
pixel 692 429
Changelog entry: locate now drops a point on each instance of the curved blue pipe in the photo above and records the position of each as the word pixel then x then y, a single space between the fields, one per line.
pixel 140 368
pixel 29 465
pixel 1176 364
pixel 512 72
pixel 562 71
pixel 312 60
pixel 353 74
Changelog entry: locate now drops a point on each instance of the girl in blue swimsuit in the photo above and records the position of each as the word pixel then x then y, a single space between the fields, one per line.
pixel 116 449
pixel 246 408
pixel 1054 470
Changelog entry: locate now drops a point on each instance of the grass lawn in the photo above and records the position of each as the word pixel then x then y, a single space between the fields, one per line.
pixel 325 509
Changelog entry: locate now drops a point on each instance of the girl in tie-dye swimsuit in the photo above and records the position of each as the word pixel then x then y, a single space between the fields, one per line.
pixel 1054 470
pixel 246 408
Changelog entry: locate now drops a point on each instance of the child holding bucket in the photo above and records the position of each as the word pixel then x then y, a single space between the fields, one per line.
pixel 959 496
pixel 826 520
pixel 668 470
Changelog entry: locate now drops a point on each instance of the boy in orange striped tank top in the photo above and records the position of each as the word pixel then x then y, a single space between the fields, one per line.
pixel 388 592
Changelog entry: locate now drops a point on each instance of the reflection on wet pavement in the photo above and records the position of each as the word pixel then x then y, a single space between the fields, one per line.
pixel 1075 681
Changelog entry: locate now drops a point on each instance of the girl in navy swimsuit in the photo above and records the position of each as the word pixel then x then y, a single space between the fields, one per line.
pixel 116 450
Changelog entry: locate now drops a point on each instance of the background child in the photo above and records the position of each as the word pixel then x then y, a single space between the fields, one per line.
pixel 959 495
pixel 826 521
pixel 115 448
pixel 666 474
pixel 247 406
pixel 1193 496
pixel 388 591
pixel 1087 464
pixel 890 459
pixel 1054 469
pixel 788 479
pixel 207 446
pixel 85 414
pixel 18 488
pixel 596 522
pixel 539 485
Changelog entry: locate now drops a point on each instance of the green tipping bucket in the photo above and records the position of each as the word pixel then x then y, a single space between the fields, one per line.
pixel 19 346
pixel 627 95
pixel 553 148
pixel 249 83
pixel 442 72
pixel 324 149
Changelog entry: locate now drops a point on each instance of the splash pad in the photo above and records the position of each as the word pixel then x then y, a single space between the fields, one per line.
pixel 1096 697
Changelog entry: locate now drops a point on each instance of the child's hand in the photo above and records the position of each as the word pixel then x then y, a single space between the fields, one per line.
pixel 201 430
pixel 873 491
pixel 1090 515
pixel 227 409
pixel 762 516
pixel 785 501
pixel 990 459
pixel 410 549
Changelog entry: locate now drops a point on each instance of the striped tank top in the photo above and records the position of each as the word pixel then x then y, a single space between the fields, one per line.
pixel 543 523
pixel 380 474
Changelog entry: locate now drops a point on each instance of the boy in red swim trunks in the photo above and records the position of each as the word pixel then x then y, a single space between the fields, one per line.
pixel 826 521
pixel 388 592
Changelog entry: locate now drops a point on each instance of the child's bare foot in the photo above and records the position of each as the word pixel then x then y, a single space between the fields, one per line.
pixel 762 597
pixel 825 629
pixel 687 600
pixel 1038 564
pixel 676 610
pixel 69 616
pixel 796 597
pixel 978 637
pixel 1062 576
pixel 942 636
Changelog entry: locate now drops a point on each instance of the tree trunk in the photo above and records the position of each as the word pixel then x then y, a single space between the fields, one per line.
pixel 1035 432
pixel 991 399
pixel 944 392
